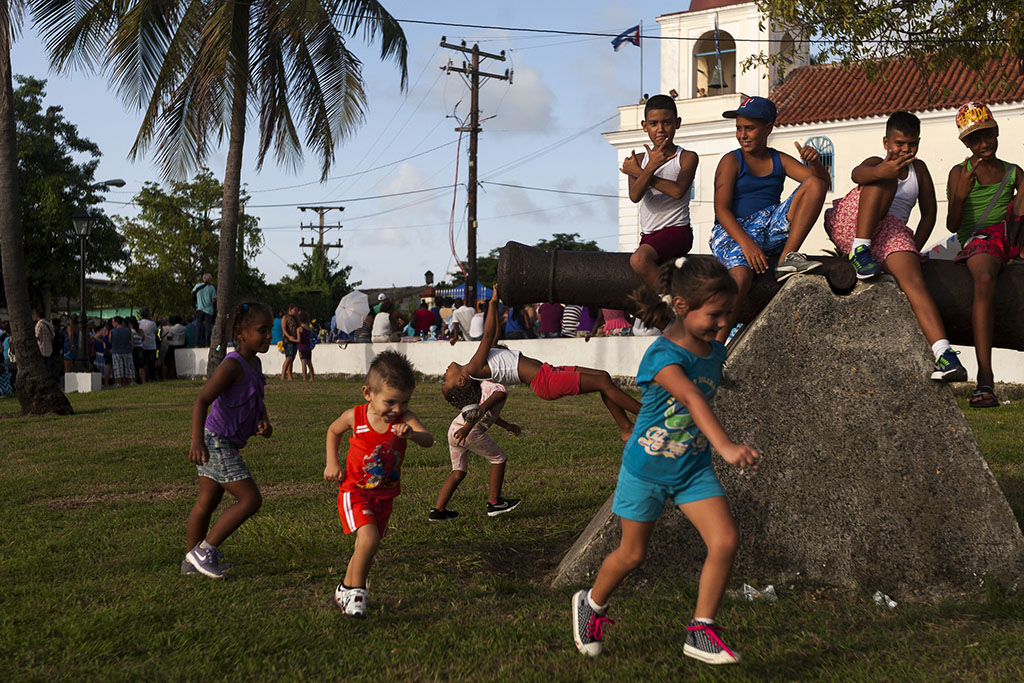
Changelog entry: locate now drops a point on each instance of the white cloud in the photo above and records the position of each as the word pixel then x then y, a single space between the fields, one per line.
pixel 524 106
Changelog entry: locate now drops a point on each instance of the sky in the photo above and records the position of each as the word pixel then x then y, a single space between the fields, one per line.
pixel 542 131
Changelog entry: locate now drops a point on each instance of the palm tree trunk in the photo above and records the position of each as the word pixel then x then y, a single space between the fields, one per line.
pixel 37 391
pixel 229 205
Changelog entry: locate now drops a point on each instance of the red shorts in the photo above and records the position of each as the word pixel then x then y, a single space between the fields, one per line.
pixel 990 240
pixel 669 242
pixel 358 508
pixel 550 383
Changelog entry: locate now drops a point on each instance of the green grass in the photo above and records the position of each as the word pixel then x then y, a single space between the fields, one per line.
pixel 93 521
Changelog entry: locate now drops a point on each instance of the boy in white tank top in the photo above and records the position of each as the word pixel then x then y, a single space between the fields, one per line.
pixel 870 224
pixel 660 181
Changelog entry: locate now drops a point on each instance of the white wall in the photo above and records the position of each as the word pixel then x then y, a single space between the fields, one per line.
pixel 620 356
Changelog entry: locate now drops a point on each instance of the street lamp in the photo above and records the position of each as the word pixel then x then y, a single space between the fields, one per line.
pixel 83 226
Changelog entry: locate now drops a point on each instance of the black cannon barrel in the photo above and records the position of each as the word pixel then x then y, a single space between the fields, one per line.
pixel 597 278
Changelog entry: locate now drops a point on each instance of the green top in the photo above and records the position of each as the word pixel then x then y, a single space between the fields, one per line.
pixel 979 198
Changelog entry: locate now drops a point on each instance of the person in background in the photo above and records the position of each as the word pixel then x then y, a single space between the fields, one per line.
pixel 550 320
pixel 462 318
pixel 44 338
pixel 422 319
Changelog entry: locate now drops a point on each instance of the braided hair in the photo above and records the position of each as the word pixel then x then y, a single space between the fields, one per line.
pixel 694 278
pixel 468 395
pixel 243 314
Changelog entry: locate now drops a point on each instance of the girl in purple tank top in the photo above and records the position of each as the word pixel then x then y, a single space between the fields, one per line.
pixel 234 398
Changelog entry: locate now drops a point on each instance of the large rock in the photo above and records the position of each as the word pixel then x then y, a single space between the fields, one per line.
pixel 870 476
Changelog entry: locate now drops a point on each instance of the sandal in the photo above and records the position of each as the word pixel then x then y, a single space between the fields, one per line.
pixel 983 397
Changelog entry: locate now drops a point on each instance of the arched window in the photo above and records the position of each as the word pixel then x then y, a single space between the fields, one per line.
pixel 710 77
pixel 823 146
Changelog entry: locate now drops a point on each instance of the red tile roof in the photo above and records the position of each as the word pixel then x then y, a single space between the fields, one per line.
pixel 831 92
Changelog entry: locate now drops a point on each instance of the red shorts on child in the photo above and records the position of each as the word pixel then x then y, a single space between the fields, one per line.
pixel 890 236
pixel 990 240
pixel 669 242
pixel 550 382
pixel 358 508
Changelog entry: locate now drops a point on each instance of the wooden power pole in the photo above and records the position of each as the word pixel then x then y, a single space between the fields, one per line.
pixel 319 244
pixel 473 71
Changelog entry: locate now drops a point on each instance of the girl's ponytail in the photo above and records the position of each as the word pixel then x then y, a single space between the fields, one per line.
pixel 655 308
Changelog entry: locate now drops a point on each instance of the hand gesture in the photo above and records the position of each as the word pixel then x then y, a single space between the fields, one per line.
pixel 514 429
pixel 756 259
pixel 895 162
pixel 808 154
pixel 264 428
pixel 402 430
pixel 631 166
pixel 462 432
pixel 333 472
pixel 740 455
pixel 967 178
pixel 660 155
pixel 197 453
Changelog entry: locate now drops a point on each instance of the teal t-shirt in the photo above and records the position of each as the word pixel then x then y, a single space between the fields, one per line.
pixel 666 446
pixel 205 296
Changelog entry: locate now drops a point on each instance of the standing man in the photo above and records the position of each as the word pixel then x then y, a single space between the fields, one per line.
pixel 290 332
pixel 44 338
pixel 205 295
pixel 147 328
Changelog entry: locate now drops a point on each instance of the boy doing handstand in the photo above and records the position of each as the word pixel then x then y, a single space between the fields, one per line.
pixel 369 481
pixel 752 227
pixel 870 223
pixel 660 182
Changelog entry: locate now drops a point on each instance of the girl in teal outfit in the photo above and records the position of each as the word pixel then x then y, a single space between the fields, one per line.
pixel 668 455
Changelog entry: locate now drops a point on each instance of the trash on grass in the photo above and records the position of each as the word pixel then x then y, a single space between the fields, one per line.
pixel 883 600
pixel 767 594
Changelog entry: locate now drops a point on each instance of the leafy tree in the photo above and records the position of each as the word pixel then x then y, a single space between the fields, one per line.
pixel 194 68
pixel 174 240
pixel 318 283
pixel 53 186
pixel 932 33
pixel 568 242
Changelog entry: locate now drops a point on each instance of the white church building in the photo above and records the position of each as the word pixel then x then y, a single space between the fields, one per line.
pixel 837 110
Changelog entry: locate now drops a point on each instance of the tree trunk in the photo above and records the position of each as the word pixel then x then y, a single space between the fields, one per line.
pixel 229 206
pixel 38 393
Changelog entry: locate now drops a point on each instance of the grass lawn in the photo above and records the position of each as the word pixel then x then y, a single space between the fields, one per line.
pixel 93 531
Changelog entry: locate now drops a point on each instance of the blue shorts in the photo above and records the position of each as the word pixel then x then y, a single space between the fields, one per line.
pixel 640 500
pixel 290 348
pixel 225 464
pixel 769 228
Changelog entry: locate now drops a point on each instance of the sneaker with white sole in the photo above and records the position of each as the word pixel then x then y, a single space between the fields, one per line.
pixel 187 568
pixel 587 625
pixel 948 367
pixel 794 263
pixel 206 561
pixel 703 642
pixel 864 264
pixel 351 601
pixel 501 506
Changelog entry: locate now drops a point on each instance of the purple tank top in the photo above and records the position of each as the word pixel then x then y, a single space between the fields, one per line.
pixel 236 412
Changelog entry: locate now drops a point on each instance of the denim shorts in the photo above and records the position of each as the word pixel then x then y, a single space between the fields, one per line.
pixel 769 228
pixel 225 464
pixel 640 500
pixel 290 348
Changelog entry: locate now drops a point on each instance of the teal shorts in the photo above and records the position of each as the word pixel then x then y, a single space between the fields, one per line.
pixel 640 500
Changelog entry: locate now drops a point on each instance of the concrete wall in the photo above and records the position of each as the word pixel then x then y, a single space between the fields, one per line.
pixel 620 356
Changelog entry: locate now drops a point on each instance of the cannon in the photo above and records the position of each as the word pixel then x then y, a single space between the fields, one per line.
pixel 604 279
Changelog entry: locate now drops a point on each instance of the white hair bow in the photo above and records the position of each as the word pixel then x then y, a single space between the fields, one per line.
pixel 680 261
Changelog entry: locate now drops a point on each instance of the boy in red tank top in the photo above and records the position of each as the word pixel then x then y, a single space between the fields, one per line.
pixel 370 478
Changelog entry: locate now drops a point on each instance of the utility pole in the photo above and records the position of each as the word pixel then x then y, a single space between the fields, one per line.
pixel 473 71
pixel 319 244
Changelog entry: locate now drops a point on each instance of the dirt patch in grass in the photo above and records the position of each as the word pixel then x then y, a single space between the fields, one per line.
pixel 177 492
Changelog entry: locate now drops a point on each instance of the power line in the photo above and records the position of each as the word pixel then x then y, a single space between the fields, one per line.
pixel 354 199
pixel 550 189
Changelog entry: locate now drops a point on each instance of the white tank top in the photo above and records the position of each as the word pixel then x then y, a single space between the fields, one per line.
pixel 906 195
pixel 504 365
pixel 657 209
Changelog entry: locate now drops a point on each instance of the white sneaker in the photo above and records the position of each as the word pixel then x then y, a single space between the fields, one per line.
pixel 351 601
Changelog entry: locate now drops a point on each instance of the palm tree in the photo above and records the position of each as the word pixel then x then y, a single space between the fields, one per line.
pixel 37 390
pixel 196 66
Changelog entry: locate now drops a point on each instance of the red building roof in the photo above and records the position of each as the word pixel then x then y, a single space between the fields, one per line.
pixel 832 92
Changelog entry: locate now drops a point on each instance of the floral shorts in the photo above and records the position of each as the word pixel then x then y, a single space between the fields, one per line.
pixel 225 464
pixel 891 234
pixel 769 228
pixel 991 241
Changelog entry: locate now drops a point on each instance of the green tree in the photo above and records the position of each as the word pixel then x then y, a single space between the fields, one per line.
pixel 173 240
pixel 318 283
pixel 568 241
pixel 195 67
pixel 932 33
pixel 53 185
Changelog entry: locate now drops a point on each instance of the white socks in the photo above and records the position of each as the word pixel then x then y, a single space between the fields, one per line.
pixel 594 606
pixel 940 347
pixel 858 242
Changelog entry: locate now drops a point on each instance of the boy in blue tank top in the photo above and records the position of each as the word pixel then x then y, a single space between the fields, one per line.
pixel 754 230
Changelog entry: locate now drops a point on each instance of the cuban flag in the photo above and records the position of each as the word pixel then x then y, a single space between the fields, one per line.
pixel 630 35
